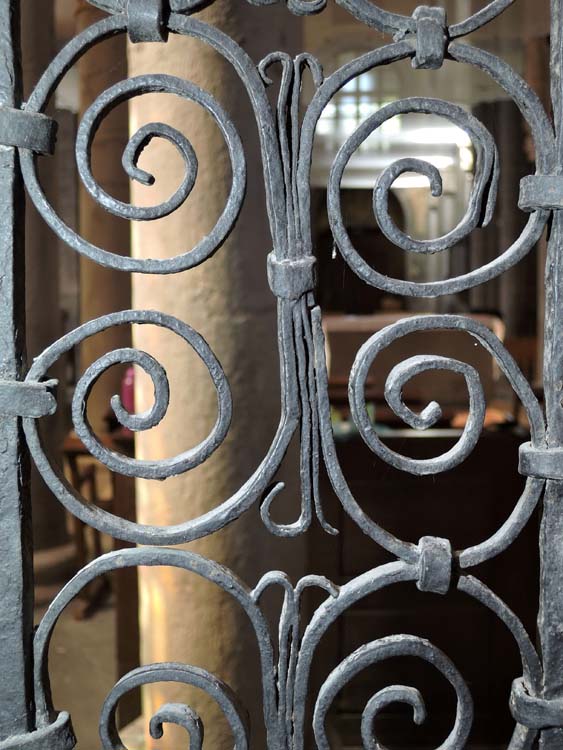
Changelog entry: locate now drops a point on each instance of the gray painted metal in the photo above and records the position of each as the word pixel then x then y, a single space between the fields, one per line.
pixel 16 593
pixel 27 716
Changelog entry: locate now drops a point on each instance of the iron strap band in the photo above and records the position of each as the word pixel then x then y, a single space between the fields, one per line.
pixel 435 565
pixel 145 21
pixel 27 399
pixel 431 37
pixel 543 463
pixel 56 736
pixel 291 279
pixel 533 712
pixel 541 191
pixel 31 130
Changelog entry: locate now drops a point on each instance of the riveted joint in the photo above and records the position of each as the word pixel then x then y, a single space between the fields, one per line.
pixel 542 463
pixel 291 279
pixel 27 399
pixel 431 37
pixel 434 565
pixel 30 130
pixel 533 712
pixel 146 20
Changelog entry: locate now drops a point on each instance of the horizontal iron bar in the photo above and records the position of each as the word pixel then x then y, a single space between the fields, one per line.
pixel 27 399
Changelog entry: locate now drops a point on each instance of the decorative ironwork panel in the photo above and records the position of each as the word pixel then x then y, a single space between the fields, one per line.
pixel 27 133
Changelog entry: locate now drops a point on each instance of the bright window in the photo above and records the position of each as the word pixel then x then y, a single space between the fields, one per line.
pixel 354 103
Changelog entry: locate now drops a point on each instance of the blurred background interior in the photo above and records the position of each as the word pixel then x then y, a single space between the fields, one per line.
pixel 163 615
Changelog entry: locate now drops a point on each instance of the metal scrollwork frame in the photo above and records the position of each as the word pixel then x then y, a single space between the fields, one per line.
pixel 27 716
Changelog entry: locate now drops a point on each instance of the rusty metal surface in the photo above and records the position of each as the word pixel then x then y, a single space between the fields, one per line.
pixel 27 716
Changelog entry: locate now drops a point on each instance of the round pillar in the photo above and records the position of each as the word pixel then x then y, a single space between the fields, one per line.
pixel 103 290
pixel 228 301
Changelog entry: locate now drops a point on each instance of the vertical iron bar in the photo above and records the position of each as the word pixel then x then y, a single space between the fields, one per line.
pixel 550 621
pixel 16 571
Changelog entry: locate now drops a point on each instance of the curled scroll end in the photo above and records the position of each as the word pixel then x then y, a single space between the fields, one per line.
pixel 430 415
pixel 181 715
pixel 315 581
pixel 269 579
pixel 396 381
pixel 325 525
pixel 381 700
pixel 131 155
pixel 306 60
pixel 271 59
pixel 283 529
pixel 269 496
pixel 378 651
pixel 139 142
pixel 140 175
pixel 436 184
pixel 173 713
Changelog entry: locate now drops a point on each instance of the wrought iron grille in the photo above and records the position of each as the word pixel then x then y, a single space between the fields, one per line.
pixel 27 716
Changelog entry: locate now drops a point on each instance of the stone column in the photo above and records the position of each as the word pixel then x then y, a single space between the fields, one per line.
pixel 44 323
pixel 228 301
pixel 103 290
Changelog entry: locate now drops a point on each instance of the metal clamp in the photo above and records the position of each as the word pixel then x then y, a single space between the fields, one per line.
pixel 32 130
pixel 291 279
pixel 146 20
pixel 431 37
pixel 27 399
pixel 533 712
pixel 56 736
pixel 541 191
pixel 435 565
pixel 543 463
